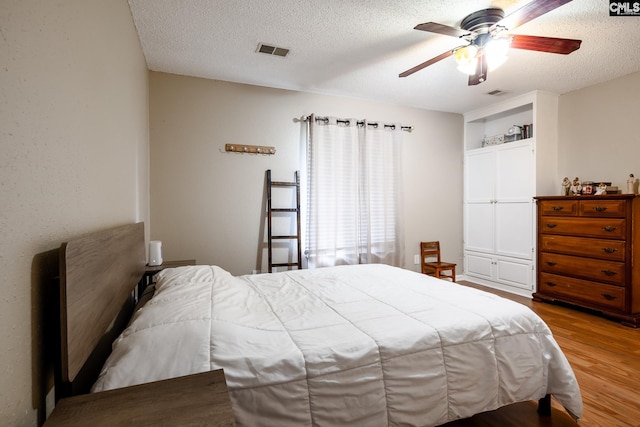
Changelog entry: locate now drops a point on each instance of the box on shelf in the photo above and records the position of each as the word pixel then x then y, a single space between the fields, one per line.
pixel 493 140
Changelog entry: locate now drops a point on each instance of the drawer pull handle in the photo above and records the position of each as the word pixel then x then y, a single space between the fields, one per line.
pixel 609 250
pixel 551 284
pixel 552 225
pixel 609 228
pixel 600 208
pixel 608 297
pixel 551 263
pixel 609 272
pixel 557 208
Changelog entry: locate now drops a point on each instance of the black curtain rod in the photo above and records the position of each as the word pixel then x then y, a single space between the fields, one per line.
pixel 361 123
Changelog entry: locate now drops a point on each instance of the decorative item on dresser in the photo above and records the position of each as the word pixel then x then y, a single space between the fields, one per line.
pixel 587 256
pixel 631 184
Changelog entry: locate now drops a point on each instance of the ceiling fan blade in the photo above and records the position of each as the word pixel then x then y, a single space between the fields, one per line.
pixel 434 27
pixel 528 12
pixel 545 44
pixel 427 63
pixel 481 72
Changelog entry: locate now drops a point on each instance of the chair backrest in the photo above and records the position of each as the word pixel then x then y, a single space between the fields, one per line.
pixel 430 249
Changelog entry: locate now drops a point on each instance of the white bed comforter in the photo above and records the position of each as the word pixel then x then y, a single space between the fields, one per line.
pixel 367 345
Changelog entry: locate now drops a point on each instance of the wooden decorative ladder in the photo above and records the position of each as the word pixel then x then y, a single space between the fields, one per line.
pixel 271 210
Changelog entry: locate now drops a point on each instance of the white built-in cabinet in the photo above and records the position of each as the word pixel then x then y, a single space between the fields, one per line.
pixel 500 182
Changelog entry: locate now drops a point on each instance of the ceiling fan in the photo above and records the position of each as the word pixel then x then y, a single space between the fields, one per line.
pixel 487 39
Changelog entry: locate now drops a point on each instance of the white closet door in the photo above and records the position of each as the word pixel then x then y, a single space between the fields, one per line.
pixel 479 265
pixel 511 272
pixel 480 175
pixel 514 195
pixel 514 229
pixel 514 173
pixel 479 227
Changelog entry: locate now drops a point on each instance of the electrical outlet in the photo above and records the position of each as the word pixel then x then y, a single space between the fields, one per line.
pixel 416 259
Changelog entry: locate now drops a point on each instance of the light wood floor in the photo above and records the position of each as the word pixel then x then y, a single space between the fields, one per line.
pixel 605 357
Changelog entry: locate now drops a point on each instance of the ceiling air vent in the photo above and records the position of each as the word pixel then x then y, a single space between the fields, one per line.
pixel 496 92
pixel 272 50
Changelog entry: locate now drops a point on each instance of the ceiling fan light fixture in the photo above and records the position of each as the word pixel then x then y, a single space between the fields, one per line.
pixel 496 51
pixel 469 68
pixel 467 58
pixel 487 32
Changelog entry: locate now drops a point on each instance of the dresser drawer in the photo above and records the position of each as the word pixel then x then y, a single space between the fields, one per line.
pixel 583 290
pixel 595 248
pixel 603 208
pixel 594 269
pixel 608 228
pixel 558 207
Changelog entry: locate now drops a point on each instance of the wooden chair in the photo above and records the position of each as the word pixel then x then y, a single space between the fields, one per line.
pixel 431 250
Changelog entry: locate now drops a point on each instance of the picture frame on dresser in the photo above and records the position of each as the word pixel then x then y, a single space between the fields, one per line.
pixel 587 255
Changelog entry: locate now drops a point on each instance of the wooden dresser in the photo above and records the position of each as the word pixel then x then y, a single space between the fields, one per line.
pixel 587 256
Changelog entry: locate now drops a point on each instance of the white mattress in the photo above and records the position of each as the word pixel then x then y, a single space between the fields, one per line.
pixel 366 345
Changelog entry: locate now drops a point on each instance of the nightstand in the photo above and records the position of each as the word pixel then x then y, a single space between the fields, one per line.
pixel 200 399
pixel 151 270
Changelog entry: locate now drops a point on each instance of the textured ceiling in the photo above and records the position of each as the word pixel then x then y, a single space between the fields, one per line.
pixel 357 48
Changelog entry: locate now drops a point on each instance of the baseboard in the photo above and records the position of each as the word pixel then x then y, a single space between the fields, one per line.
pixel 499 286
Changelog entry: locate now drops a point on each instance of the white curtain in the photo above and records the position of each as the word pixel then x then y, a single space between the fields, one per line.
pixel 354 193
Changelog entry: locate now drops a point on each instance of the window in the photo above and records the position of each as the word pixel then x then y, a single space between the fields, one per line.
pixel 353 193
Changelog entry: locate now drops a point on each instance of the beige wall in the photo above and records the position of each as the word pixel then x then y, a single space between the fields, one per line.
pixel 73 159
pixel 74 156
pixel 206 204
pixel 598 132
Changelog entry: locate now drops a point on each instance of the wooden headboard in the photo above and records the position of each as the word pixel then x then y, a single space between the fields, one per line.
pixel 98 273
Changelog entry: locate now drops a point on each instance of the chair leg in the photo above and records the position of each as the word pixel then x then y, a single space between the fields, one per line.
pixel 439 274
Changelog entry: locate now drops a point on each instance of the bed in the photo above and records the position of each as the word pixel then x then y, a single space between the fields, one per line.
pixel 351 345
